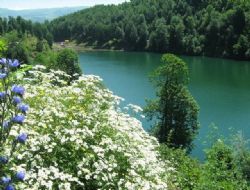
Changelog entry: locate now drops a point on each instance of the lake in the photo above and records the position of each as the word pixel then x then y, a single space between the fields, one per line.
pixel 221 87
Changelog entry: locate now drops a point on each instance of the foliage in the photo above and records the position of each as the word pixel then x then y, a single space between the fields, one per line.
pixel 39 46
pixel 13 112
pixel 31 50
pixel 46 58
pixel 2 47
pixel 175 110
pixel 241 154
pixel 188 170
pixel 25 27
pixel 67 61
pixel 220 170
pixel 20 47
pixel 80 139
pixel 213 28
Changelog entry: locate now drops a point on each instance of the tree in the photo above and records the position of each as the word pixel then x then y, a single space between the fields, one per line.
pixel 176 34
pixel 18 50
pixel 241 47
pixel 49 39
pixel 67 61
pixel 175 110
pixel 143 33
pixel 239 21
pixel 131 35
pixel 39 46
pixel 159 39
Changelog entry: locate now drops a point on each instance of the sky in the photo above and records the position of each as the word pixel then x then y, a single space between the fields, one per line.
pixel 34 4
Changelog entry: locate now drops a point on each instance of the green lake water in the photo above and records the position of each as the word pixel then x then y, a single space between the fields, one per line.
pixel 221 87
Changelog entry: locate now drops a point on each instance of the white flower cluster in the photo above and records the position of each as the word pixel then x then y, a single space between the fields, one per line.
pixel 78 139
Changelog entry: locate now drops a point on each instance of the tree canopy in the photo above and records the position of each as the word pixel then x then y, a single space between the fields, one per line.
pixel 212 28
pixel 175 110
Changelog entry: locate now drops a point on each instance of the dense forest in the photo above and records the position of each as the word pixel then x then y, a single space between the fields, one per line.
pixel 211 27
pixel 218 28
pixel 24 27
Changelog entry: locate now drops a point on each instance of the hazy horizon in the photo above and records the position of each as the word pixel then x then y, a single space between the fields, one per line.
pixel 34 4
pixel 43 8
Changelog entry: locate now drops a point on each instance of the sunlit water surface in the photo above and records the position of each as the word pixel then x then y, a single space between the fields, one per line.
pixel 221 88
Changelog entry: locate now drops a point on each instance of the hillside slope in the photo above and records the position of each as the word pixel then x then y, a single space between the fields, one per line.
pixel 212 28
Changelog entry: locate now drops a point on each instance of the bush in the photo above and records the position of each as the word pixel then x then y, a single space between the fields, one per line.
pixel 67 61
pixel 220 170
pixel 188 170
pixel 78 139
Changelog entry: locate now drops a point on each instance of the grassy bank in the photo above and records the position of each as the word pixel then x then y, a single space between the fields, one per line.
pixel 83 47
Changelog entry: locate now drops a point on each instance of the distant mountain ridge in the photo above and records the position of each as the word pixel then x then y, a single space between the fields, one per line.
pixel 40 15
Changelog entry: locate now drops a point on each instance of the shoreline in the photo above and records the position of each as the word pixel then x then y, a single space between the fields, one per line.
pixel 85 48
pixel 81 47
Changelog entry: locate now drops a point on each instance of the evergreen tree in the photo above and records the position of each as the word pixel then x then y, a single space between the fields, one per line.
pixel 175 110
pixel 159 39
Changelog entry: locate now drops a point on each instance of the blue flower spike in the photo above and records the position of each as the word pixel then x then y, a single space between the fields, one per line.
pixel 23 108
pixel 18 119
pixel 2 95
pixel 14 63
pixel 3 61
pixel 9 187
pixel 18 90
pixel 5 180
pixel 3 75
pixel 6 124
pixel 17 100
pixel 10 95
pixel 3 160
pixel 20 175
pixel 22 138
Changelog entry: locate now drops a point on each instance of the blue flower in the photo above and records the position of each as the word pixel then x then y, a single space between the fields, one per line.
pixel 18 119
pixel 22 138
pixel 20 176
pixel 6 124
pixel 23 108
pixel 3 75
pixel 9 187
pixel 2 95
pixel 14 63
pixel 18 89
pixel 3 61
pixel 5 180
pixel 3 160
pixel 17 100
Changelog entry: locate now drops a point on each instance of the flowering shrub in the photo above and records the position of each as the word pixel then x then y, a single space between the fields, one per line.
pixel 80 139
pixel 12 115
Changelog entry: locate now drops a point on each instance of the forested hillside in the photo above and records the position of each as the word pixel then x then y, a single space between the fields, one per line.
pixel 218 28
pixel 23 27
